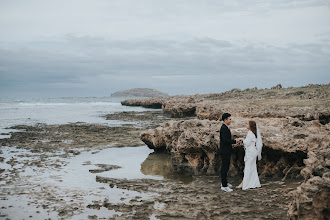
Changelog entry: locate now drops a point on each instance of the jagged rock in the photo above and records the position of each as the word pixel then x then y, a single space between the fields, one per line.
pixel 179 111
pixel 209 111
pixel 194 146
pixel 311 199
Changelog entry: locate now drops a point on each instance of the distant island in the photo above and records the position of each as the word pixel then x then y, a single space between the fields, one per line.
pixel 139 92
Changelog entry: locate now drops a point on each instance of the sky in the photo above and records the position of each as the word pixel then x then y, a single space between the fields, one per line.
pixel 97 47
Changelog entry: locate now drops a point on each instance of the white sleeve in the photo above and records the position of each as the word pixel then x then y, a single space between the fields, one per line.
pixel 249 138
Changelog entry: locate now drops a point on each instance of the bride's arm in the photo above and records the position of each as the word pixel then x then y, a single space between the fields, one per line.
pixel 248 140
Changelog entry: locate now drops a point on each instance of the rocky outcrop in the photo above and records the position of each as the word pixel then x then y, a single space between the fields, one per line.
pixel 292 148
pixel 312 91
pixel 191 143
pixel 311 200
pixel 264 103
pixel 139 92
pixel 182 110
pixel 295 130
pixel 155 103
pixel 194 145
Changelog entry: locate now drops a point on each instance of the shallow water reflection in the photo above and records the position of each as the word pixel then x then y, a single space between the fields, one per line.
pixel 160 164
pixel 44 191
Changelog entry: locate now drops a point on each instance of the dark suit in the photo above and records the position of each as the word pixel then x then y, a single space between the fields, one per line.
pixel 225 152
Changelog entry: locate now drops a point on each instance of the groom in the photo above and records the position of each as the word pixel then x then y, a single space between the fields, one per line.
pixel 225 150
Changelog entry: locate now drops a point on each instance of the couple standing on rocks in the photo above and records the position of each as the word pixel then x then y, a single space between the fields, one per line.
pixel 252 146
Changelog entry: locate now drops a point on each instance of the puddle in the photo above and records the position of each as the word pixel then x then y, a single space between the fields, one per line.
pixel 160 164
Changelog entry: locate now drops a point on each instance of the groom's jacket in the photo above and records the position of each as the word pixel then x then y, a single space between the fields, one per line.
pixel 225 140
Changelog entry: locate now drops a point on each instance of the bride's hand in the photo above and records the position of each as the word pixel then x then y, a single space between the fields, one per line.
pixel 239 141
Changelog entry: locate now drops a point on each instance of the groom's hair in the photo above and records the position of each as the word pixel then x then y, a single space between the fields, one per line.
pixel 225 116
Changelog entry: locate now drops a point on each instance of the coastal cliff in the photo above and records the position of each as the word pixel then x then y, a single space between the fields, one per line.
pixel 294 123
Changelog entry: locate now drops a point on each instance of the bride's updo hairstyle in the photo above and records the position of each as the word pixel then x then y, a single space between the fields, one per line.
pixel 253 127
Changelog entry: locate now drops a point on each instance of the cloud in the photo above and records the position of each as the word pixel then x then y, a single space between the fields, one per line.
pixel 99 64
pixel 95 47
pixel 270 20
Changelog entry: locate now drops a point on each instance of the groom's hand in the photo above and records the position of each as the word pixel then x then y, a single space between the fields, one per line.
pixel 239 141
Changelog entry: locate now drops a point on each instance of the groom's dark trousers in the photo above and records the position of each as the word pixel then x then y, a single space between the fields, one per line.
pixel 225 163
pixel 225 152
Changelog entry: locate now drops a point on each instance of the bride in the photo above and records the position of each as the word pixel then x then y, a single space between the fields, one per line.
pixel 252 146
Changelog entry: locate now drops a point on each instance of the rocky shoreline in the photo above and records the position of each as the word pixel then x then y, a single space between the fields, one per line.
pixel 38 150
pixel 34 151
pixel 38 162
pixel 295 129
pixel 202 199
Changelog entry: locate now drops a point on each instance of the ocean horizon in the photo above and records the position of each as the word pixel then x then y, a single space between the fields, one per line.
pixel 61 110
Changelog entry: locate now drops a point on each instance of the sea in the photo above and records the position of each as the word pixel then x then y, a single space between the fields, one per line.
pixel 60 110
pixel 75 177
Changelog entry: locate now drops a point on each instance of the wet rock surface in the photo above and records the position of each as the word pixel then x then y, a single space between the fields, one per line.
pixel 70 136
pixel 202 199
pixel 176 196
pixel 30 155
pixel 104 167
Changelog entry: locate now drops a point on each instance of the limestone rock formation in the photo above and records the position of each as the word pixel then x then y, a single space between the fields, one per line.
pixel 191 143
pixel 311 200
pixel 155 103
pixel 263 103
pixel 139 92
pixel 294 123
pixel 292 148
pixel 194 145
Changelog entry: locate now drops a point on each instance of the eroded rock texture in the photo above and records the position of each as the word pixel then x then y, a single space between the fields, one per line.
pixel 193 145
pixel 311 200
pixel 295 127
pixel 288 151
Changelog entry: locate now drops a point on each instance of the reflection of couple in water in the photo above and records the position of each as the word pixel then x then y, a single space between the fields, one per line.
pixel 252 146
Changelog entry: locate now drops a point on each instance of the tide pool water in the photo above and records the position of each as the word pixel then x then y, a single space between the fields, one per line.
pixel 71 182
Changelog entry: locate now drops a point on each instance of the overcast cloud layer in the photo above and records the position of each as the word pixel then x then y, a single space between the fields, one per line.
pixel 94 48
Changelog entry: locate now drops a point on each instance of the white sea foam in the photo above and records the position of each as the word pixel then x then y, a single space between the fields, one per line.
pixel 59 111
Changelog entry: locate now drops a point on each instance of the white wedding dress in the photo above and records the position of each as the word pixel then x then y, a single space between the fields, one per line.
pixel 251 179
